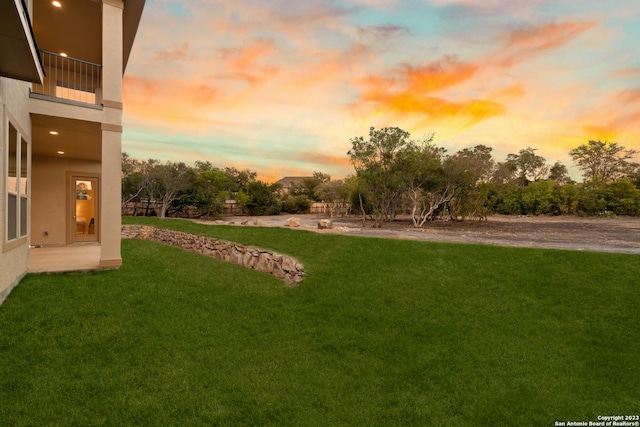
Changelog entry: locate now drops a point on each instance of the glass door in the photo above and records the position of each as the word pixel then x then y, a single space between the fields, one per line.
pixel 84 226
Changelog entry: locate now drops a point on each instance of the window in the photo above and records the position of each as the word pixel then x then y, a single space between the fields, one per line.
pixel 23 187
pixel 17 176
pixel 12 185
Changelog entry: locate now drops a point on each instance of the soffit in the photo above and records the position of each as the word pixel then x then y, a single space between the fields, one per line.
pixel 78 139
pixel 75 28
pixel 131 19
pixel 18 52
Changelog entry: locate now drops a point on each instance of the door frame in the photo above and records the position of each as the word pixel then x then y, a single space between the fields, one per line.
pixel 71 224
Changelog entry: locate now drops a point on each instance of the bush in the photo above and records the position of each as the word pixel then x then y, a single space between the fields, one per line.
pixel 261 200
pixel 295 204
pixel 505 199
pixel 540 198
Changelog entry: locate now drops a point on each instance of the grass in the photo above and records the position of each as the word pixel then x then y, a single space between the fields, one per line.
pixel 381 332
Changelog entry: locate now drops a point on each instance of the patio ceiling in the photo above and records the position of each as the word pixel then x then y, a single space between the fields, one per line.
pixel 77 139
pixel 75 27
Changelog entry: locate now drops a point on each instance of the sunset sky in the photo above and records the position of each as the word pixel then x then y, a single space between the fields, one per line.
pixel 279 87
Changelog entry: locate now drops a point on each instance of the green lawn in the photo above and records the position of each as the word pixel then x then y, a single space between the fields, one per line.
pixel 381 332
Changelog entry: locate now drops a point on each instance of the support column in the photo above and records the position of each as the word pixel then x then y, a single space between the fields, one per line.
pixel 112 45
pixel 111 221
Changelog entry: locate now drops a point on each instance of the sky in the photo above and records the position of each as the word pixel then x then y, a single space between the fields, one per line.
pixel 280 87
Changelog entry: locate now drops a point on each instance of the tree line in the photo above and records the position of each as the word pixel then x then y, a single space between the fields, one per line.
pixel 155 188
pixel 395 174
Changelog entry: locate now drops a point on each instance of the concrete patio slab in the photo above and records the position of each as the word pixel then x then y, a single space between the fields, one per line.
pixel 64 258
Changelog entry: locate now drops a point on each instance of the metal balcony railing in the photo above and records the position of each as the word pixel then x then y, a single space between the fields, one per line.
pixel 69 79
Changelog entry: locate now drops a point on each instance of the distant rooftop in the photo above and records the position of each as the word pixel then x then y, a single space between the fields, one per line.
pixel 288 181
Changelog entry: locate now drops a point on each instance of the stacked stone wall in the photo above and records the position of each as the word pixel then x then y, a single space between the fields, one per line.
pixel 280 266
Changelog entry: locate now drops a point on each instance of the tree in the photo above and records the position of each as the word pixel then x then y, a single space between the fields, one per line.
pixel 307 187
pixel 559 173
pixel 295 204
pixel 261 199
pixel 540 198
pixel 375 162
pixel 322 177
pixel 201 166
pixel 133 182
pixel 568 196
pixel 602 162
pixel 505 199
pixel 336 194
pixel 527 166
pixel 360 199
pixel 477 162
pixel 465 171
pixel 424 179
pixel 240 179
pixel 242 200
pixel 213 188
pixel 634 174
pixel 623 198
pixel 168 182
pixel 239 182
pixel 503 173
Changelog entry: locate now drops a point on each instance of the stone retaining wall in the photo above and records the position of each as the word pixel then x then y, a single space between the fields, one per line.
pixel 280 266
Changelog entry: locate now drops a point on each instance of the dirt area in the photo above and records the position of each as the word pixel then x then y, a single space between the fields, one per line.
pixel 620 235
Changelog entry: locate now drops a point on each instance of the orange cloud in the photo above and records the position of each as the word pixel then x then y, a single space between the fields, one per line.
pixel 624 72
pixel 328 66
pixel 247 56
pixel 437 75
pixel 473 111
pixel 245 63
pixel 629 97
pixel 153 90
pixel 467 92
pixel 177 54
pixel 163 101
pixel 517 90
pixel 616 119
pixel 408 92
pixel 328 159
pixel 523 43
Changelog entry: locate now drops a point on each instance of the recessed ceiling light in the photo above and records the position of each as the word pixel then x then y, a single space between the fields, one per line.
pixel 60 152
pixel 63 54
pixel 53 132
pixel 56 3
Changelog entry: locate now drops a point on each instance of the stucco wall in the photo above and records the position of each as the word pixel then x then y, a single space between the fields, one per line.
pixel 14 260
pixel 49 210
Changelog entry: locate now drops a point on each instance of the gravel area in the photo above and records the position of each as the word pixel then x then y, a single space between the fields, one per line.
pixel 619 235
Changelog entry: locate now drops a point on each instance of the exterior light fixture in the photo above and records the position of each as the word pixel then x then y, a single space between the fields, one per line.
pixel 63 54
pixel 61 152
pixel 53 132
pixel 56 3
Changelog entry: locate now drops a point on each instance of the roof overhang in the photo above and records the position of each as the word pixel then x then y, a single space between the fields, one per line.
pixel 130 20
pixel 18 52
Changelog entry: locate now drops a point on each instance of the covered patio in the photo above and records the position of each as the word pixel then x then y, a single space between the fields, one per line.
pixel 56 259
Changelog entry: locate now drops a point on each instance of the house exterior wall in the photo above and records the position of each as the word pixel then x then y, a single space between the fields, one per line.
pixel 50 211
pixel 14 256
pixel 112 63
pixel 49 219
pixel 48 176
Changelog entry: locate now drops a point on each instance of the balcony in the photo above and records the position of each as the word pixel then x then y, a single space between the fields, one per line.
pixel 69 80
